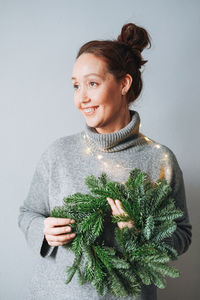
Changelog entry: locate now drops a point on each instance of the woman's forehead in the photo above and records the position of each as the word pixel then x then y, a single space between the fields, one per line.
pixel 89 64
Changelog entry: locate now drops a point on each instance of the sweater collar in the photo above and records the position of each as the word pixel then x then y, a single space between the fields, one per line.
pixel 116 141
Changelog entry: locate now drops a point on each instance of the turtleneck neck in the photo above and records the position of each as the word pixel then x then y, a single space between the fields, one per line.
pixel 115 141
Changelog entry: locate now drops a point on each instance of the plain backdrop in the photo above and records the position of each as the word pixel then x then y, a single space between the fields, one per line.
pixel 38 44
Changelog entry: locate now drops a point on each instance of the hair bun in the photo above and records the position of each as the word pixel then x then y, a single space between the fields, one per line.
pixel 136 37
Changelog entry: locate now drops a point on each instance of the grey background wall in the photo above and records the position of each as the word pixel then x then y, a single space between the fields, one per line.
pixel 38 44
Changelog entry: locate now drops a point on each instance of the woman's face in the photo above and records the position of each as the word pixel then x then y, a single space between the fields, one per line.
pixel 97 94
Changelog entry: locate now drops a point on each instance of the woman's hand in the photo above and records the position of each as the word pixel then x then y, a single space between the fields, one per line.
pixel 57 232
pixel 117 210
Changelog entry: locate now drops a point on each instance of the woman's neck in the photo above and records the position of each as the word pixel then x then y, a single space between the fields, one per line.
pixel 118 124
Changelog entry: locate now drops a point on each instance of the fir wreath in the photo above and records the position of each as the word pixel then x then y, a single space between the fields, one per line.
pixel 142 255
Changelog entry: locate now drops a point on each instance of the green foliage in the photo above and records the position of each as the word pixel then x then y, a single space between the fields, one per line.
pixel 142 255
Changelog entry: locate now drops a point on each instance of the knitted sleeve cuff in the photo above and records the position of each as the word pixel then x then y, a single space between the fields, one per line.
pixel 35 238
pixel 46 249
pixel 169 241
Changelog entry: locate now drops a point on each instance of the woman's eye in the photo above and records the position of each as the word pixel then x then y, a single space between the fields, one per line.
pixel 75 86
pixel 92 83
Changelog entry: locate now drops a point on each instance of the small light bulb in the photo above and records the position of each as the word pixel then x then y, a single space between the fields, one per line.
pixel 88 150
pixel 99 156
pixel 146 138
pixel 157 146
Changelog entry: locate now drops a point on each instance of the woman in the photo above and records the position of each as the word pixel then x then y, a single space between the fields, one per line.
pixel 106 79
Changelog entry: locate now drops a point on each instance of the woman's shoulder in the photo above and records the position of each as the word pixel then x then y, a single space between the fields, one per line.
pixel 60 145
pixel 161 152
pixel 65 141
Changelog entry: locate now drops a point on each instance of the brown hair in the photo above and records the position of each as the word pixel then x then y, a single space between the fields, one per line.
pixel 123 55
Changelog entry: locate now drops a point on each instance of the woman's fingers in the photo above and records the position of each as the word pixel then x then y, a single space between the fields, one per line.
pixel 119 206
pixel 61 237
pixel 116 206
pixel 55 226
pixel 115 210
pixel 52 222
pixel 57 231
pixel 60 243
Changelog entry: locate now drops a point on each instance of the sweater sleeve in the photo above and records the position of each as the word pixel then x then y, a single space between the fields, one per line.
pixel 181 238
pixel 36 208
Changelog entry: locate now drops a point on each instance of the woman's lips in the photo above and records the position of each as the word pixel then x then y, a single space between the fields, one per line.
pixel 89 110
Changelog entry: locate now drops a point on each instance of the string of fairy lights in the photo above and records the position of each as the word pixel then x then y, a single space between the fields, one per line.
pixel 115 168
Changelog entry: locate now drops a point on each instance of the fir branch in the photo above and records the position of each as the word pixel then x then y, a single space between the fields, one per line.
pixel 164 230
pixel 121 218
pixel 158 279
pixel 169 250
pixel 71 270
pixel 149 227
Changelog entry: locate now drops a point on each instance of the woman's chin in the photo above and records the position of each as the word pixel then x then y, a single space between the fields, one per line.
pixel 91 122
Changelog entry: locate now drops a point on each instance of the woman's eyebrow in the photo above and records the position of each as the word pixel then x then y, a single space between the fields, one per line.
pixel 89 75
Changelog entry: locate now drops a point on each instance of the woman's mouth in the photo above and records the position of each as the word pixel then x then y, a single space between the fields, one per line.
pixel 88 111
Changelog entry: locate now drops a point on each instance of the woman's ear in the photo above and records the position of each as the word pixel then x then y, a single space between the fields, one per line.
pixel 126 82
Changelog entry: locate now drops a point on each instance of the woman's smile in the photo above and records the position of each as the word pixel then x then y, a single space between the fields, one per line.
pixel 89 111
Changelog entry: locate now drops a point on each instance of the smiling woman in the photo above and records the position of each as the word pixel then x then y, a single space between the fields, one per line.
pixel 106 79
pixel 98 95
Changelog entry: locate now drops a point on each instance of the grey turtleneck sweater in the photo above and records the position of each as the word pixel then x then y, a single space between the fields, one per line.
pixel 61 171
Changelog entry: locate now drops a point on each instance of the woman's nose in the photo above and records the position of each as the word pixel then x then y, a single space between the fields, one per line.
pixel 84 97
